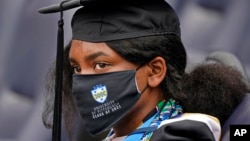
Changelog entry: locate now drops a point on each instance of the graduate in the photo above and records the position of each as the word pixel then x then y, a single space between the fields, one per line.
pixel 122 73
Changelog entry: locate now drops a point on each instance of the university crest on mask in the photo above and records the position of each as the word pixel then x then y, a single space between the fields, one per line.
pixel 99 93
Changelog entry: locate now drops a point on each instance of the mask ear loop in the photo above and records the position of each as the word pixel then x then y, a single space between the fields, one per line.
pixel 146 85
pixel 56 131
pixel 144 89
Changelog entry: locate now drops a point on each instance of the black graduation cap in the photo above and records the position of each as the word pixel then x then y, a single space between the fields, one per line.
pixel 106 20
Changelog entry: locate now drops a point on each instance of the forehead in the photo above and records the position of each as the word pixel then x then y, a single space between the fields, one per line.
pixel 83 48
pixel 88 53
pixel 79 43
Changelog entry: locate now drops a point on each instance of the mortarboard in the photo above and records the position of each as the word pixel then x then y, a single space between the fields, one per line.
pixel 106 20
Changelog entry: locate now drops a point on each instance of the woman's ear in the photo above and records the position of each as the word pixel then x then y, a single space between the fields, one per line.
pixel 158 71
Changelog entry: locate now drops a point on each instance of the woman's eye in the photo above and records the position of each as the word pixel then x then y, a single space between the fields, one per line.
pixel 76 69
pixel 100 65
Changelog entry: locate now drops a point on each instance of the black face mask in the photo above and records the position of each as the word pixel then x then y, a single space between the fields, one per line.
pixel 103 99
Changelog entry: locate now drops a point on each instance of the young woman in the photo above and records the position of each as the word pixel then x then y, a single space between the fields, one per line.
pixel 123 73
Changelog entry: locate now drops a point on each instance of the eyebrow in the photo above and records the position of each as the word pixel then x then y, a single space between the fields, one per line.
pixel 91 56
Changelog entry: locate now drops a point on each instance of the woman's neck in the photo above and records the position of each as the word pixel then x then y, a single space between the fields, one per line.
pixel 135 117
